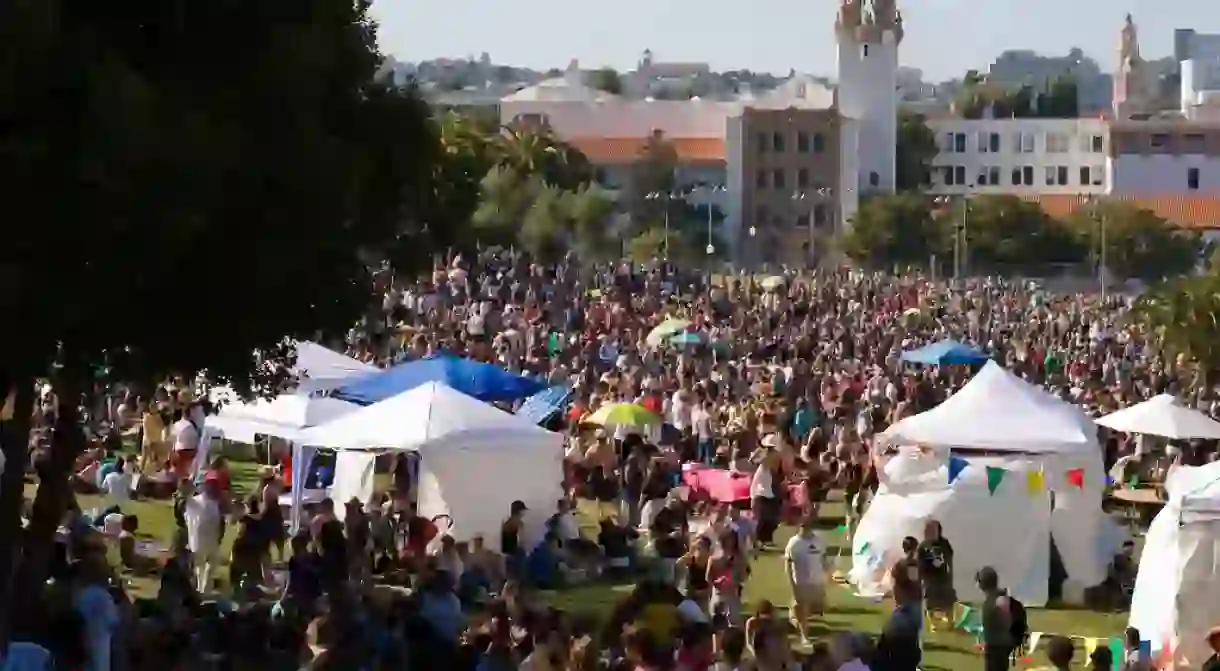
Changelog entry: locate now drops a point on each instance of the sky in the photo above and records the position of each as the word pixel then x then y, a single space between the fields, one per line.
pixel 944 38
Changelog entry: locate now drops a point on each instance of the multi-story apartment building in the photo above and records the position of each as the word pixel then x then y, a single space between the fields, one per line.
pixel 1019 156
pixel 1164 156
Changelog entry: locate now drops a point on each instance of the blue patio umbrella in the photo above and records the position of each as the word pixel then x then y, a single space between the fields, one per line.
pixel 483 381
pixel 945 352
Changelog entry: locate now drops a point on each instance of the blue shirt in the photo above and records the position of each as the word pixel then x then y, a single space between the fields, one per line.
pixel 444 613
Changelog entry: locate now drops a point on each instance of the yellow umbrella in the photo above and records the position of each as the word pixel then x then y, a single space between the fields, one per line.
pixel 665 330
pixel 623 414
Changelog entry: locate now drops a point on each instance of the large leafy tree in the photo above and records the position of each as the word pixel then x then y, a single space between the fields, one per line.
pixel 899 228
pixel 915 150
pixel 1184 317
pixel 1138 243
pixel 1004 233
pixel 230 201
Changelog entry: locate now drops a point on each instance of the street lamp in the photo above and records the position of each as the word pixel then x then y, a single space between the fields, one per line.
pixel 1093 203
pixel 818 195
pixel 960 249
pixel 665 196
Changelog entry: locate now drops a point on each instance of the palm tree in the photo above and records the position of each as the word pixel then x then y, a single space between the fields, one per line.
pixel 1184 315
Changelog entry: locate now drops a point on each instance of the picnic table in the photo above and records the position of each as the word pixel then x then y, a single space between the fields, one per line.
pixel 1140 505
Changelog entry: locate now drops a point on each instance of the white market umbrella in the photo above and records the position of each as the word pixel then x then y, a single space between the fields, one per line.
pixel 1163 416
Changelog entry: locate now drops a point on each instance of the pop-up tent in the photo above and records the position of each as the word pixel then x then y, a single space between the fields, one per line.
pixel 1026 467
pixel 945 352
pixel 482 381
pixel 1163 416
pixel 1177 591
pixel 319 368
pixel 475 460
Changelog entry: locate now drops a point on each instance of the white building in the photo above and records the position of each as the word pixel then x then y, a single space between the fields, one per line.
pixel 1020 156
pixel 868 87
pixel 1199 58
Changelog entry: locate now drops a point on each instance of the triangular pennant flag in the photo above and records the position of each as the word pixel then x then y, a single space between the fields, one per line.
pixel 1035 482
pixel 1133 481
pixel 956 466
pixel 841 529
pixel 864 548
pixel 965 617
pixel 1164 659
pixel 995 475
pixel 1109 481
pixel 1076 477
pixel 1118 653
pixel 1034 637
pixel 1090 644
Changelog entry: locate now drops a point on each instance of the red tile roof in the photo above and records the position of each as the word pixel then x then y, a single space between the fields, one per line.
pixel 1195 212
pixel 625 150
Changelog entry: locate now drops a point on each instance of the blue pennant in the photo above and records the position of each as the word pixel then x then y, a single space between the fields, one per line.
pixel 956 466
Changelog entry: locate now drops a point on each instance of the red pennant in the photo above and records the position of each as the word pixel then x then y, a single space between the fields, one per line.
pixel 1164 660
pixel 1076 477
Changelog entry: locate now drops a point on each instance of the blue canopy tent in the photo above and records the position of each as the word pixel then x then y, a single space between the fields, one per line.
pixel 481 380
pixel 945 352
pixel 542 406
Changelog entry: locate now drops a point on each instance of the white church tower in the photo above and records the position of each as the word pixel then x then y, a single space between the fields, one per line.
pixel 869 32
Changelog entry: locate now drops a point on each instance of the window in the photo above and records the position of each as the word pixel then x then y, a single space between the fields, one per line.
pixel 989 176
pixel 959 143
pixel 866 51
pixel 819 214
pixel 1159 140
pixel 1099 144
pixel 1050 175
pixel 777 179
pixel 1016 177
pixel 761 179
pixel 1062 174
pixel 1027 172
pixel 802 142
pixel 1192 179
pixel 949 181
pixel 1085 175
pixel 981 180
pixel 1023 143
pixel 802 177
pixel 819 143
pixel 982 142
pixel 1056 143
pixel 989 143
pixel 764 141
pixel 1193 143
pixel 1099 175
pixel 802 221
pixel 777 141
pixel 874 180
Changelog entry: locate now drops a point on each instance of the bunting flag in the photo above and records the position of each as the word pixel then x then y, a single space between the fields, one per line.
pixel 1164 660
pixel 995 475
pixel 1034 637
pixel 864 548
pixel 1118 653
pixel 1035 482
pixel 1090 644
pixel 956 466
pixel 1076 477
pixel 1133 481
pixel 841 529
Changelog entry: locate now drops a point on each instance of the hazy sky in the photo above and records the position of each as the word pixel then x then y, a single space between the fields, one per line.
pixel 943 37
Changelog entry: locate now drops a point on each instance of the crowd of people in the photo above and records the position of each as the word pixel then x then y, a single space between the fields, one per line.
pixel 786 380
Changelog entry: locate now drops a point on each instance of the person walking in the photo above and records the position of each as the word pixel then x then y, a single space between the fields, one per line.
pixel 998 642
pixel 805 566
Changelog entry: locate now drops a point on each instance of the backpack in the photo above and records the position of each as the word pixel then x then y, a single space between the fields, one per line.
pixel 1019 626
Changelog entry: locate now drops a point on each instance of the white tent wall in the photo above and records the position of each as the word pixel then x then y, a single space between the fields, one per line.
pixel 1009 530
pixel 353 479
pixel 476 487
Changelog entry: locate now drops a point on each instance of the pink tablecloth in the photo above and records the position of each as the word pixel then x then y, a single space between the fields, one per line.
pixel 725 486
pixel 717 484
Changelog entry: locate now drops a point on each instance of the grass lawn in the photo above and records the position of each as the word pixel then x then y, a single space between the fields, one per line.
pixel 952 651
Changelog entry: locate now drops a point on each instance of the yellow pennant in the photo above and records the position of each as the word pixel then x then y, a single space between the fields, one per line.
pixel 1035 482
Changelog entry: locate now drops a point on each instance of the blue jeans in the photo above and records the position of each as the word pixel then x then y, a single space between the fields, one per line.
pixel 707 450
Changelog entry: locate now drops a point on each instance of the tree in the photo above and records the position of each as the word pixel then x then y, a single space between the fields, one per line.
pixel 1138 243
pixel 1061 100
pixel 894 229
pixel 915 151
pixel 606 79
pixel 137 164
pixel 1184 314
pixel 652 185
pixel 530 151
pixel 1006 232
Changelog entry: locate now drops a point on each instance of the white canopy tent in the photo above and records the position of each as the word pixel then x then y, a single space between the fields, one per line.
pixel 1163 416
pixel 475 460
pixel 1001 421
pixel 1177 591
pixel 319 368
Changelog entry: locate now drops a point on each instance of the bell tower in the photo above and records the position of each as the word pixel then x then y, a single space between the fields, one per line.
pixel 1131 79
pixel 869 33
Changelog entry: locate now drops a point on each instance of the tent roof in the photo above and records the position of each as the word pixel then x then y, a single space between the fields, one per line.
pixel 482 381
pixel 1196 488
pixel 996 410
pixel 1163 416
pixel 430 415
pixel 283 417
pixel 320 368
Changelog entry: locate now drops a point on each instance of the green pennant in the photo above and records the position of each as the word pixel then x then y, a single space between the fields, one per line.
pixel 864 548
pixel 995 475
pixel 841 529
pixel 1133 481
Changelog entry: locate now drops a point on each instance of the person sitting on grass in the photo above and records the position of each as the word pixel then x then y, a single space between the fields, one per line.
pixel 130 558
pixel 544 566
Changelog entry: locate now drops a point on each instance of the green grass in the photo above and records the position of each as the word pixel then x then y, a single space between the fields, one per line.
pixel 943 650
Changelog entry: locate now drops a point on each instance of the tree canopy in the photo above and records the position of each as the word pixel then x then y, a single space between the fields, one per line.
pixel 232 201
pixel 914 152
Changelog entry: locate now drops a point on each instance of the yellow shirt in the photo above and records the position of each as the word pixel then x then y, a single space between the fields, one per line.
pixel 154 428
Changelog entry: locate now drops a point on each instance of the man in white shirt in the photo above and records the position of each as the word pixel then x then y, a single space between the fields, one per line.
pixel 805 566
pixel 117 484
